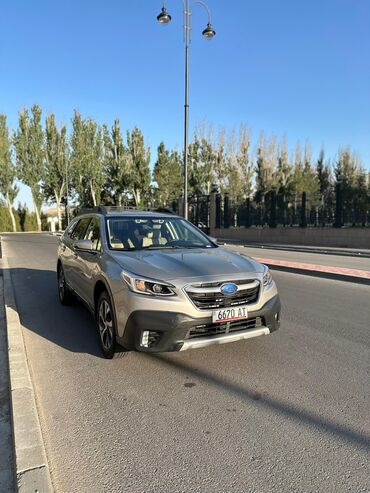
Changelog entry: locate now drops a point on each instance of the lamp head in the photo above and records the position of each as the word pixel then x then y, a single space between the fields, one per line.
pixel 164 17
pixel 209 33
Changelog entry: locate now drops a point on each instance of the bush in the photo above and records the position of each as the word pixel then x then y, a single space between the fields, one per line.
pixel 5 221
pixel 30 221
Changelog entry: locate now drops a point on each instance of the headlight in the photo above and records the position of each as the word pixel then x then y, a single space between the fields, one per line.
pixel 147 286
pixel 267 278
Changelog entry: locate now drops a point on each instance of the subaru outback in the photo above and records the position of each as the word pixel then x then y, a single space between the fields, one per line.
pixel 154 282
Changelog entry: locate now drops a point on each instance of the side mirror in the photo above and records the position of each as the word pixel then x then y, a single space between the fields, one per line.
pixel 84 245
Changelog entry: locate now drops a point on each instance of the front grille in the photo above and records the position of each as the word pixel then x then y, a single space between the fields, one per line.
pixel 214 329
pixel 209 296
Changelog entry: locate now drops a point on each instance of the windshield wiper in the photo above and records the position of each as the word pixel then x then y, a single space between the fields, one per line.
pixel 158 247
pixel 170 247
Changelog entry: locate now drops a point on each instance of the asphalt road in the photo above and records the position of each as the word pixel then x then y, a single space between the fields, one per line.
pixel 287 413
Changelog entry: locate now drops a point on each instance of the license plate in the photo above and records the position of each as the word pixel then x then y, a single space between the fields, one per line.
pixel 228 314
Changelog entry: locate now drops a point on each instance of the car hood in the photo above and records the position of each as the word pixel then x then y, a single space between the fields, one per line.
pixel 186 263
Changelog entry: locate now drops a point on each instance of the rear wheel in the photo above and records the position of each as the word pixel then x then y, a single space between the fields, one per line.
pixel 106 326
pixel 65 295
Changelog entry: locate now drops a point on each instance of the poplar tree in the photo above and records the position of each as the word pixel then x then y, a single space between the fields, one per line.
pixel 240 170
pixel 117 164
pixel 362 197
pixel 29 143
pixel 7 171
pixel 345 173
pixel 167 175
pixel 195 167
pixel 284 181
pixel 57 164
pixel 323 175
pixel 220 170
pixel 139 159
pixel 87 159
pixel 265 167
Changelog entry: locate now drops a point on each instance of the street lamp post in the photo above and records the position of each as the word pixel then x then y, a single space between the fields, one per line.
pixel 209 33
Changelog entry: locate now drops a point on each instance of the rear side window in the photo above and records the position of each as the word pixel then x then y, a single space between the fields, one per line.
pixel 79 231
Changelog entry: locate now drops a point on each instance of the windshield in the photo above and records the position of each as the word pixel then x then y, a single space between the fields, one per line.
pixel 140 233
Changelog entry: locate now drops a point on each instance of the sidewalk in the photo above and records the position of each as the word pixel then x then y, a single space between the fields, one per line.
pixel 351 252
pixel 329 265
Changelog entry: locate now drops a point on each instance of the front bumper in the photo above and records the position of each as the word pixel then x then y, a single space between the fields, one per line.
pixel 169 331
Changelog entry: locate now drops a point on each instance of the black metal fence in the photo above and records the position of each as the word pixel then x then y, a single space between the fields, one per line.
pixel 276 210
pixel 199 210
pixel 301 211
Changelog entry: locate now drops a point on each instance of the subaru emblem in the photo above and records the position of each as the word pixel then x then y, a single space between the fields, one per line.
pixel 229 288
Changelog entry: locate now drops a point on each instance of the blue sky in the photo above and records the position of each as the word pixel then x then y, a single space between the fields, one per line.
pixel 286 67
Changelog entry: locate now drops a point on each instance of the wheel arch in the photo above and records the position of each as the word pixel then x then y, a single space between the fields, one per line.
pixel 99 287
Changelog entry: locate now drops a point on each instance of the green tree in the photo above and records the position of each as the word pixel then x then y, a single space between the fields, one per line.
pixel 202 162
pixel 56 166
pixel 7 171
pixel 361 196
pixel 139 156
pixel 29 143
pixel 87 159
pixel 117 164
pixel 284 172
pixel 239 169
pixel 265 167
pixel 167 175
pixel 195 174
pixel 220 169
pixel 309 176
pixel 323 175
pixel 346 170
pixel 325 188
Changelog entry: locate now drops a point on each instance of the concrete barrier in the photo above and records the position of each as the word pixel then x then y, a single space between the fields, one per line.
pixel 328 237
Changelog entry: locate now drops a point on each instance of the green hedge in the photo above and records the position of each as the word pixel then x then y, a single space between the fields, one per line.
pixel 6 222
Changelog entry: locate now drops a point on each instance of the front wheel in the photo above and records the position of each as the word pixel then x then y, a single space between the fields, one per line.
pixel 65 295
pixel 106 326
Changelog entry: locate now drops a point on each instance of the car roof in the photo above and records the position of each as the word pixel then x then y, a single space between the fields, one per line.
pixel 108 211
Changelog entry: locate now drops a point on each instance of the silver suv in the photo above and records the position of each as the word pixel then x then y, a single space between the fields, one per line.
pixel 155 282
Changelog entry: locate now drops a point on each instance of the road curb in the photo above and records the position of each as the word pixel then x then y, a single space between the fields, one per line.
pixel 32 470
pixel 322 275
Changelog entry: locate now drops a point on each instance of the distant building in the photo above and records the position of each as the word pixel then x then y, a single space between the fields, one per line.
pixel 51 215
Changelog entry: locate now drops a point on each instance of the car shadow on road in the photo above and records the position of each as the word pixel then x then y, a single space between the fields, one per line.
pixel 289 411
pixel 70 327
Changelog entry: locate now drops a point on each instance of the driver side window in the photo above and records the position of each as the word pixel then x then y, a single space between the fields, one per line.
pixel 78 231
pixel 93 233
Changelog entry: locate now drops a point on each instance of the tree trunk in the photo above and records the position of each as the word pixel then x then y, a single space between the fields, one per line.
pixel 10 208
pixel 136 194
pixel 59 212
pixel 38 218
pixel 93 194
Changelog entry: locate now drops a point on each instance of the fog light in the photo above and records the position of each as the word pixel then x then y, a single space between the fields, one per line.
pixel 145 338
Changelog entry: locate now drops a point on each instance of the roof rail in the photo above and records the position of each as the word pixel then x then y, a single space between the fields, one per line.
pixel 106 209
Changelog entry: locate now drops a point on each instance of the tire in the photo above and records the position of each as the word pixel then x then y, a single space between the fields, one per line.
pixel 65 295
pixel 106 327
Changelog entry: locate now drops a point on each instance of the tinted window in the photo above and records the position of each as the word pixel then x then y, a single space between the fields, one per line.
pixel 93 233
pixel 79 231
